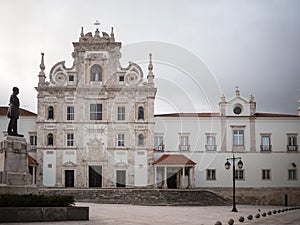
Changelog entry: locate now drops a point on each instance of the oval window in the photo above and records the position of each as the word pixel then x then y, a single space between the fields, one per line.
pixel 237 110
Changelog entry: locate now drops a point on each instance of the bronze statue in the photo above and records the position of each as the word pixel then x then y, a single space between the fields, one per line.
pixel 13 113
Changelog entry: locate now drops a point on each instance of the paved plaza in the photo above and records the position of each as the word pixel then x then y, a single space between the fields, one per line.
pixel 113 214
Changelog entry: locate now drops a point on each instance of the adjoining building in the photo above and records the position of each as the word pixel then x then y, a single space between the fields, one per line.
pixel 266 142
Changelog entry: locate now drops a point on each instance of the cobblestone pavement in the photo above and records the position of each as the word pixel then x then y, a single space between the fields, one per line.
pixel 112 214
pixel 285 218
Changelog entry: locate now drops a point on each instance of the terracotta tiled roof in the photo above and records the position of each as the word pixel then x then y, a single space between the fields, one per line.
pixel 171 159
pixel 23 112
pixel 274 115
pixel 32 161
pixel 217 115
pixel 188 115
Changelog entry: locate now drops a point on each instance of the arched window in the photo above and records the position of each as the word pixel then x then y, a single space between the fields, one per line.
pixel 50 139
pixel 50 113
pixel 141 113
pixel 141 140
pixel 96 73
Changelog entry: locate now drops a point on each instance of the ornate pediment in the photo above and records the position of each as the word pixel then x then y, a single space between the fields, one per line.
pixel 69 164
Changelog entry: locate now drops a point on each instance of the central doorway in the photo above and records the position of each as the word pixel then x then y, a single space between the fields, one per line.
pixel 121 178
pixel 95 176
pixel 69 178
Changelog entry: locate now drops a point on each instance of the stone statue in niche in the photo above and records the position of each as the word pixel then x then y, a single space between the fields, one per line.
pixel 13 113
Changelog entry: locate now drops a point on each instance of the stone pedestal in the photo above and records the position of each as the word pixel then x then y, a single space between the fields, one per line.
pixel 14 162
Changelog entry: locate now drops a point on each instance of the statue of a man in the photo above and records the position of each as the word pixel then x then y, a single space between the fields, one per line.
pixel 13 113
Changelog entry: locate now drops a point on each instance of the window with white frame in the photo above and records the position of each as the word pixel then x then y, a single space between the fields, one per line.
pixel 95 111
pixel 292 174
pixel 210 174
pixel 121 140
pixel 184 142
pixel 265 142
pixel 266 174
pixel 121 112
pixel 159 142
pixel 239 174
pixel 292 144
pixel 70 139
pixel 211 142
pixel 33 141
pixel 70 112
pixel 238 137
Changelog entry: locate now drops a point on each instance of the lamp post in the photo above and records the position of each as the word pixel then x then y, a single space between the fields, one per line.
pixel 227 167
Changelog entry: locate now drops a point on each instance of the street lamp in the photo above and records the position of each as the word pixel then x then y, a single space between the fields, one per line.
pixel 227 167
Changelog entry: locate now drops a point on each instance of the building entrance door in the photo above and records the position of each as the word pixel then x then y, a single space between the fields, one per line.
pixel 95 176
pixel 121 178
pixel 69 178
pixel 172 180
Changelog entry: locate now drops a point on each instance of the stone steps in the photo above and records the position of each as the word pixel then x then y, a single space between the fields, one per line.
pixel 142 196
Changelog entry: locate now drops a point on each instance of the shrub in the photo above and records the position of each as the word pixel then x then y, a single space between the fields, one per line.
pixel 36 200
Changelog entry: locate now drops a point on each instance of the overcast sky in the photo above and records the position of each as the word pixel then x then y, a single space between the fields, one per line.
pixel 253 44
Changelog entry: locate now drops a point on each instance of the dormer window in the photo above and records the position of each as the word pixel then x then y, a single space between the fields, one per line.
pixel 96 73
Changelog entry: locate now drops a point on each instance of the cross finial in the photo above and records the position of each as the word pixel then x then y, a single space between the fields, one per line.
pixel 237 91
pixel 97 24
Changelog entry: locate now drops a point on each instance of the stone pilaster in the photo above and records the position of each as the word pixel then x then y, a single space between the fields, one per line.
pixel 252 134
pixel 223 134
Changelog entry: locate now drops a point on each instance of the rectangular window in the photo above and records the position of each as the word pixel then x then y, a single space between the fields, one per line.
pixel 121 78
pixel 71 78
pixel 265 142
pixel 210 174
pixel 33 142
pixel 266 174
pixel 95 111
pixel 70 139
pixel 210 142
pixel 121 140
pixel 121 113
pixel 238 137
pixel 292 174
pixel 159 143
pixel 184 143
pixel 239 175
pixel 70 113
pixel 292 144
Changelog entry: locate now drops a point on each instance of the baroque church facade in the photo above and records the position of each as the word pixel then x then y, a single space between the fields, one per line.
pixel 95 120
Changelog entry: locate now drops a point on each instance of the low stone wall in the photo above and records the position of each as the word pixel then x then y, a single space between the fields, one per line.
pixel 43 214
pixel 287 196
pixel 19 190
pixel 142 196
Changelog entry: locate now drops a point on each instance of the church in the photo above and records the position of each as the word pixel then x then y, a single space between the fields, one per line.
pixel 95 128
pixel 95 121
